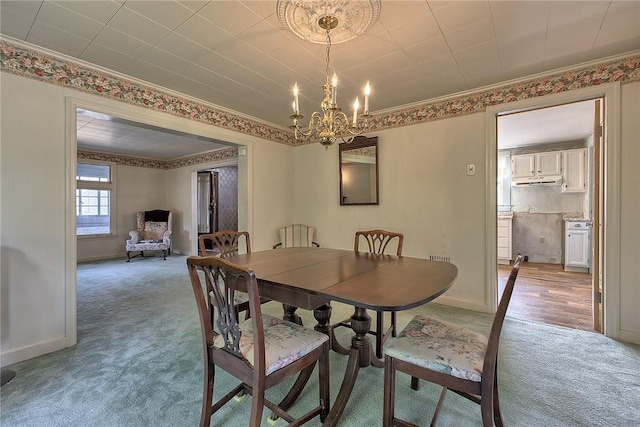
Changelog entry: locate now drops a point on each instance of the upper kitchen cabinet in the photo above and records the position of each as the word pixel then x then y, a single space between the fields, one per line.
pixel 549 163
pixel 523 166
pixel 536 164
pixel 575 171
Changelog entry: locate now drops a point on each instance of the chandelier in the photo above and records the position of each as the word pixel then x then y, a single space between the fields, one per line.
pixel 309 20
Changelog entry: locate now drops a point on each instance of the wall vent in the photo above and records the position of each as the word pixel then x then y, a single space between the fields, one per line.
pixel 440 258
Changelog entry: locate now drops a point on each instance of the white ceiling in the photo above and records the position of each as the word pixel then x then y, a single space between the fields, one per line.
pixel 562 123
pixel 107 134
pixel 237 55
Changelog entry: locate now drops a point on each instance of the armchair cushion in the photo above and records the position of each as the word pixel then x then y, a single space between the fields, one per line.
pixel 154 230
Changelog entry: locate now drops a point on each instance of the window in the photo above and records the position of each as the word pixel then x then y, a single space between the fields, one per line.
pixel 94 199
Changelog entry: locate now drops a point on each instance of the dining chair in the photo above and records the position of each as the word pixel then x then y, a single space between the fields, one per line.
pixel 226 243
pixel 377 242
pixel 261 351
pixel 296 236
pixel 458 359
pixel 223 243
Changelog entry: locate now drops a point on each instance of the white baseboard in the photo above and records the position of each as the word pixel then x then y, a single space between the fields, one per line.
pixel 117 256
pixel 464 304
pixel 18 355
pixel 627 336
pixel 102 257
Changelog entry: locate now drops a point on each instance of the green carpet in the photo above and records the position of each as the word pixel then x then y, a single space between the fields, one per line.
pixel 138 362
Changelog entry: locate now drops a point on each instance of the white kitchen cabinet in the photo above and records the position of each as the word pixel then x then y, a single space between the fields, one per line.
pixel 504 240
pixel 575 171
pixel 536 164
pixel 523 165
pixel 576 246
pixel 549 163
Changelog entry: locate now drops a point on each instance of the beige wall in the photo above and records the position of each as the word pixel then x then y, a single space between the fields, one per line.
pixel 32 217
pixel 425 193
pixel 629 297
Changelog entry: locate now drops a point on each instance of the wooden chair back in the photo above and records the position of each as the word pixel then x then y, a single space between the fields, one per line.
pixel 225 242
pixel 377 240
pixel 222 281
pixel 297 235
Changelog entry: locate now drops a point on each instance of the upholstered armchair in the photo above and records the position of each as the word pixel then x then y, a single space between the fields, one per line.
pixel 153 234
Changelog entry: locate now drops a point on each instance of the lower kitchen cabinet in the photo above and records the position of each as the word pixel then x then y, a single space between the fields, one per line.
pixel 505 253
pixel 576 246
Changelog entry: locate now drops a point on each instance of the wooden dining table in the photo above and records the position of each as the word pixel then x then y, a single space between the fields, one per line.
pixel 311 278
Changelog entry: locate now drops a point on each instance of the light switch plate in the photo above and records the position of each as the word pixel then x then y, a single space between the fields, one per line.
pixel 471 169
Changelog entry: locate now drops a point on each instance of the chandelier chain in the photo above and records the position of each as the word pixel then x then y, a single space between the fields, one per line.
pixel 328 70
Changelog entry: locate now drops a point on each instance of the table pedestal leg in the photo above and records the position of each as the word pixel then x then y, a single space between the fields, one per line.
pixel 290 314
pixel 322 315
pixel 359 356
pixel 335 345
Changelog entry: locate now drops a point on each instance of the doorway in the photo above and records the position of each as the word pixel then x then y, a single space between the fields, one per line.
pixel 217 199
pixel 546 172
pixel 207 202
pixel 193 137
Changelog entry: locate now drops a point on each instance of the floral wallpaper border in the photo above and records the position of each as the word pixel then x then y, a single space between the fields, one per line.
pixel 34 64
pixel 223 154
pixel 624 70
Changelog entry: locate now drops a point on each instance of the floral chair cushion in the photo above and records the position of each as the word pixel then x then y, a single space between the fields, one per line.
pixel 146 246
pixel 285 342
pixel 442 347
pixel 154 230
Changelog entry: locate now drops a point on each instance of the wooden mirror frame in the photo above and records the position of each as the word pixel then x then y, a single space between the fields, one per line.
pixel 360 145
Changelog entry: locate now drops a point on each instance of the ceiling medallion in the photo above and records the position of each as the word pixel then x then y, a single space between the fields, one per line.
pixel 353 18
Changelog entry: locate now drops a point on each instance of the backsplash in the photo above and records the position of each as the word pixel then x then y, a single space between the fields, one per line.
pixel 539 236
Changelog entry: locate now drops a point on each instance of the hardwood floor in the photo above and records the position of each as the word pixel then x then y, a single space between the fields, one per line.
pixel 546 293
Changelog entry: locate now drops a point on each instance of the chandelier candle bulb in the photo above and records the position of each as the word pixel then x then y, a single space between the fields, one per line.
pixel 296 105
pixel 356 105
pixel 367 91
pixel 334 89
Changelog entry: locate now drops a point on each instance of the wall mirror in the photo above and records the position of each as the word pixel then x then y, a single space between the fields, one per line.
pixel 359 171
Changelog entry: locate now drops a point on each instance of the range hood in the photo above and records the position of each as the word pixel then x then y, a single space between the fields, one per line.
pixel 537 180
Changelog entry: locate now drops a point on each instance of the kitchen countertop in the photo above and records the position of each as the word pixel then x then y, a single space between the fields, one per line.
pixel 566 216
pixel 574 216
